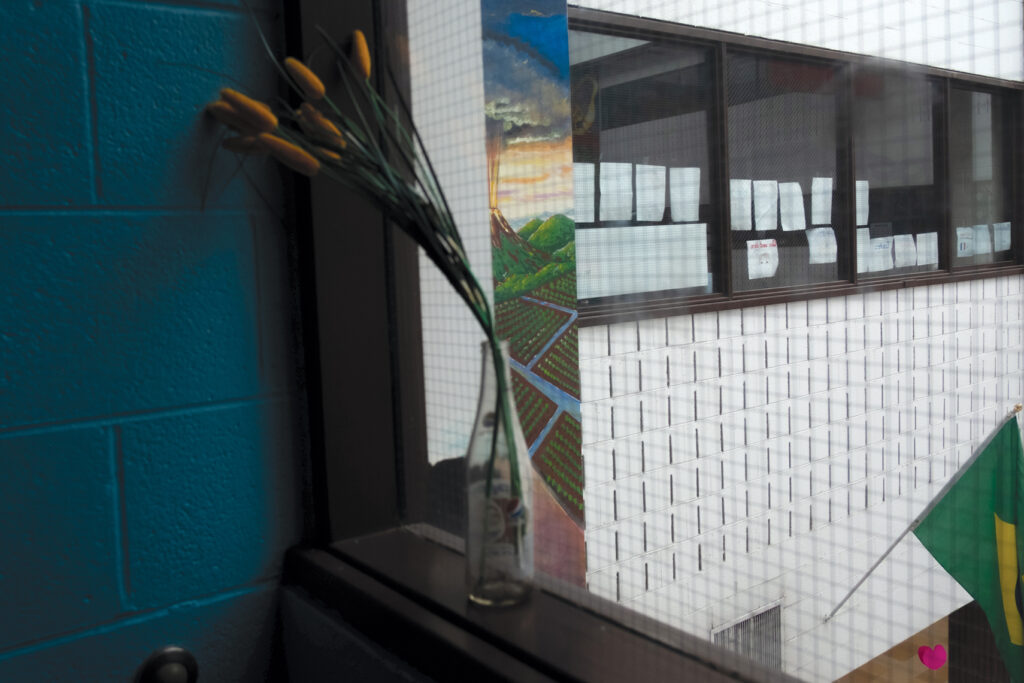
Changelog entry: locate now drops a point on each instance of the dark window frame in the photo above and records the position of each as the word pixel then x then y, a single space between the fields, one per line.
pixel 662 304
pixel 366 440
pixel 357 557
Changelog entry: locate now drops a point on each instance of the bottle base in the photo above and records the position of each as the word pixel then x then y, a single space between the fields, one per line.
pixel 500 593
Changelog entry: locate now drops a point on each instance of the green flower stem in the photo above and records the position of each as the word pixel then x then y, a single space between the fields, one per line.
pixel 386 161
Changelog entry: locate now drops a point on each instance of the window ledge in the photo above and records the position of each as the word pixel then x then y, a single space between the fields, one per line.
pixel 408 593
pixel 605 313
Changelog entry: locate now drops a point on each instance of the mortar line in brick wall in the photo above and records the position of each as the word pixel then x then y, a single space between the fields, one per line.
pixel 198 5
pixel 124 564
pixel 136 618
pixel 139 416
pixel 257 253
pixel 88 210
pixel 91 79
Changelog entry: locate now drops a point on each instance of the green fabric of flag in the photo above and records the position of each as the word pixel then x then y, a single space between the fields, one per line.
pixel 972 532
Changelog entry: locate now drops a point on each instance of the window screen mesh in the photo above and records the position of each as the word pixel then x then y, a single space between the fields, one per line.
pixel 763 456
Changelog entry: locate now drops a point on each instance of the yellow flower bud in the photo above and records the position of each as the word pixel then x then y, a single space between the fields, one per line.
pixel 311 86
pixel 292 156
pixel 257 114
pixel 360 52
pixel 319 126
pixel 226 114
pixel 327 154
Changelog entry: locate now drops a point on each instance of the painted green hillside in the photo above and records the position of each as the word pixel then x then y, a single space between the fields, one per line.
pixel 552 234
pixel 518 285
pixel 526 232
pixel 540 252
pixel 566 253
pixel 511 255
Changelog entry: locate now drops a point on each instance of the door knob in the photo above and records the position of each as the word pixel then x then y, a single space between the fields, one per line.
pixel 171 664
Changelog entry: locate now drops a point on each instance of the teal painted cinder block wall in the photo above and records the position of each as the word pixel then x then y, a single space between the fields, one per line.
pixel 150 429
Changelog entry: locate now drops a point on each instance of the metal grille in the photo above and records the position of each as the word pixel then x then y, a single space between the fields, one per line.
pixel 759 637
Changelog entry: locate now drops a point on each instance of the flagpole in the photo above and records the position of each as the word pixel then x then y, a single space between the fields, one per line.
pixel 928 508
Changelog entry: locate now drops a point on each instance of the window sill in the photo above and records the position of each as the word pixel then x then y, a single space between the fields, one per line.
pixel 407 593
pixel 602 313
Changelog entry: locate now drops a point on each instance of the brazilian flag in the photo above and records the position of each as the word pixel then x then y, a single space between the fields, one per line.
pixel 972 532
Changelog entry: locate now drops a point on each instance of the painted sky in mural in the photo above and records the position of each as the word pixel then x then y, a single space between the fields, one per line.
pixel 527 73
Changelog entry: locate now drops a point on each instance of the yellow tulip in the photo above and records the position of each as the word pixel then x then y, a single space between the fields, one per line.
pixel 311 86
pixel 327 154
pixel 319 126
pixel 361 52
pixel 256 113
pixel 226 114
pixel 292 156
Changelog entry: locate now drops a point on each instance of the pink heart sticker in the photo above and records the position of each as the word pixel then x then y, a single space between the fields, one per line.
pixel 932 658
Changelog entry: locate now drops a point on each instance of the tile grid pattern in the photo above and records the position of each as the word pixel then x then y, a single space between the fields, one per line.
pixel 739 458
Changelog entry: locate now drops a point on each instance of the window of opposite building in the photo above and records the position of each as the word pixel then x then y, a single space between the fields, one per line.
pixel 899 194
pixel 646 210
pixel 981 152
pixel 712 169
pixel 783 165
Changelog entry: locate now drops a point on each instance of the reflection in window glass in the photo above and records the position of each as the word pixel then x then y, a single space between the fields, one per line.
pixel 641 125
pixel 980 200
pixel 785 220
pixel 899 206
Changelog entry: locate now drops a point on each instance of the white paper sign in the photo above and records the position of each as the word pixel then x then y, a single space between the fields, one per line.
pixel 1002 236
pixel 905 251
pixel 616 191
pixel 928 249
pixel 642 258
pixel 739 204
pixel 863 249
pixel 684 193
pixel 982 240
pixel 583 192
pixel 863 194
pixel 821 201
pixel 762 258
pixel 821 243
pixel 964 242
pixel 691 268
pixel 650 192
pixel 791 206
pixel 766 204
pixel 881 254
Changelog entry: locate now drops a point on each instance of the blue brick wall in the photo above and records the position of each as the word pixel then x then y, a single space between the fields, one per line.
pixel 149 438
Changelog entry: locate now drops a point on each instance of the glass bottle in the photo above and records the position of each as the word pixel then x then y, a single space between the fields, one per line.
pixel 499 534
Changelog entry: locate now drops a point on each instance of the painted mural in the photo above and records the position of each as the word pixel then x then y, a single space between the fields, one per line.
pixel 529 151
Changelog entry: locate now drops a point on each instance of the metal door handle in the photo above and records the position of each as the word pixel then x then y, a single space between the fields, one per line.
pixel 171 664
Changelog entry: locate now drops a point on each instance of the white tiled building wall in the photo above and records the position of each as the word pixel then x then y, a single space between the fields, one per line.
pixel 768 455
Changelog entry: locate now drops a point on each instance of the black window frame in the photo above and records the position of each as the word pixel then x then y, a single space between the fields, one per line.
pixel 366 425
pixel 663 304
pixel 369 551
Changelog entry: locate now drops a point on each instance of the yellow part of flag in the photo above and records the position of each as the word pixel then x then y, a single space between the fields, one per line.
pixel 1006 548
